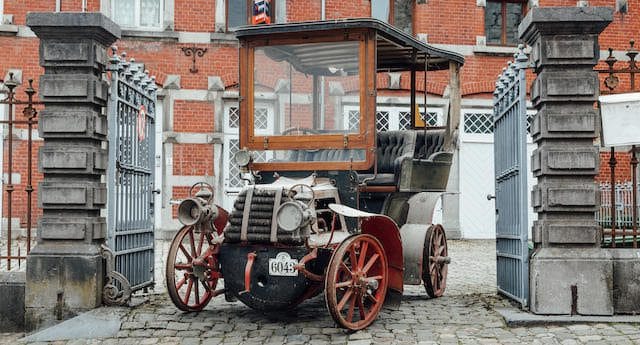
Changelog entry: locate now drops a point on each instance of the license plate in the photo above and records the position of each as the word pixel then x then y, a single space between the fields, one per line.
pixel 283 265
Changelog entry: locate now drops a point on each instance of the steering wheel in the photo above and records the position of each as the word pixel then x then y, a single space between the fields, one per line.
pixel 204 186
pixel 298 131
pixel 301 131
pixel 301 187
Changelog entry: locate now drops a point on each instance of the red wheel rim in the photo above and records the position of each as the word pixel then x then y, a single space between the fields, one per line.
pixel 435 277
pixel 356 282
pixel 192 269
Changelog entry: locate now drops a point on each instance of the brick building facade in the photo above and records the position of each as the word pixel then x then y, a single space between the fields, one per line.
pixel 198 120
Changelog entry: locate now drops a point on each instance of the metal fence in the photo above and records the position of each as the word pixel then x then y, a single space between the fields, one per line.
pixel 619 215
pixel 16 241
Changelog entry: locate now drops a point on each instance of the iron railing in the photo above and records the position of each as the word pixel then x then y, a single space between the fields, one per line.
pixel 16 250
pixel 618 214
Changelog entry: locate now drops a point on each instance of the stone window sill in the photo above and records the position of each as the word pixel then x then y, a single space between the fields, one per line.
pixel 8 29
pixel 223 37
pixel 151 35
pixel 495 50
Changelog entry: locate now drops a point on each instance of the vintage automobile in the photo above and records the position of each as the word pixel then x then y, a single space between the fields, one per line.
pixel 331 203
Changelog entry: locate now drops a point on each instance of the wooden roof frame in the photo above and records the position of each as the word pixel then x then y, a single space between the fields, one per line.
pixel 381 48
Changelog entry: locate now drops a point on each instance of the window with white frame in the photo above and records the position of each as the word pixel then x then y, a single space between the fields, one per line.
pixel 264 119
pixel 138 14
pixel 1 11
pixel 390 118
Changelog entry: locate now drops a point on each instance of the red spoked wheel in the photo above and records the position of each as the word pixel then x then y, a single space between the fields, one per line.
pixel 435 262
pixel 192 270
pixel 356 282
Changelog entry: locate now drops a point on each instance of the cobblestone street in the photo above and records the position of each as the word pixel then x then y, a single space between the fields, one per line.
pixel 465 315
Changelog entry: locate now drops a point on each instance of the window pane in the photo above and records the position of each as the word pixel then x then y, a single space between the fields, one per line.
pixel 303 74
pixel 124 12
pixel 402 14
pixel 237 13
pixel 150 13
pixel 493 22
pixel 380 10
pixel 514 16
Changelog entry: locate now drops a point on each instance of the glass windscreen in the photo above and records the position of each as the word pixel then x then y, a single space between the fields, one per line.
pixel 309 86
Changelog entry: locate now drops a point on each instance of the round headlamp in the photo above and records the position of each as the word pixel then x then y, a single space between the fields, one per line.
pixel 243 158
pixel 290 216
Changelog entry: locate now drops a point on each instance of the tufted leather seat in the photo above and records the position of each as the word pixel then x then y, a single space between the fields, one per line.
pixel 391 148
pixel 428 142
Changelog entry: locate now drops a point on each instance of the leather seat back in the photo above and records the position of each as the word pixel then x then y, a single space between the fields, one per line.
pixel 390 146
pixel 428 142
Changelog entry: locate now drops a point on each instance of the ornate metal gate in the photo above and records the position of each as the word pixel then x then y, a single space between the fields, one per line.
pixel 130 178
pixel 510 148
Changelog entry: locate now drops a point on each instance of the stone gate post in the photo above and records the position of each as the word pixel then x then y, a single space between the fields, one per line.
pixel 569 272
pixel 65 269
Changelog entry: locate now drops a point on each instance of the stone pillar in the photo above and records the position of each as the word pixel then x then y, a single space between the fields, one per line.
pixel 65 269
pixel 569 272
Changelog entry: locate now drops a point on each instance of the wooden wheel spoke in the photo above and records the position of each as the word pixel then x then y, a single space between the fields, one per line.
pixel 363 254
pixel 344 299
pixel 344 266
pixel 375 277
pixel 192 242
pixel 188 293
pixel 363 313
pixel 370 263
pixel 200 244
pixel 353 259
pixel 372 297
pixel 184 251
pixel 344 284
pixel 180 283
pixel 182 266
pixel 197 290
pixel 352 305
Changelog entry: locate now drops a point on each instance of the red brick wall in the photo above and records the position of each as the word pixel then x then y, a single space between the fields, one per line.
pixel 192 116
pixel 193 159
pixel 195 15
pixel 623 167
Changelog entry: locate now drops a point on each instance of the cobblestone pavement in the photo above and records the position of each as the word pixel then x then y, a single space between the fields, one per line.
pixel 465 315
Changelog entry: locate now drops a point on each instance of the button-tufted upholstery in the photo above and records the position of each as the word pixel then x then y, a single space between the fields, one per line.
pixel 392 145
pixel 429 142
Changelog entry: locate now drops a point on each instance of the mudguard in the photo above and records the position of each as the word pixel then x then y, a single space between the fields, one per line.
pixel 386 231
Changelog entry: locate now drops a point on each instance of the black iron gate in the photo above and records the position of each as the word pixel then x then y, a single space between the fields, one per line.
pixel 510 157
pixel 130 178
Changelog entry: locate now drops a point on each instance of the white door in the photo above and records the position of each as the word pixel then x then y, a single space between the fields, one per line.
pixel 477 179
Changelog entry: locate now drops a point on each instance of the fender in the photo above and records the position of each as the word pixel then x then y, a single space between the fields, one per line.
pixel 386 231
pixel 221 221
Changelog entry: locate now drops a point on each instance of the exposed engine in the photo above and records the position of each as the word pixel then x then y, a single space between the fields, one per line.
pixel 271 215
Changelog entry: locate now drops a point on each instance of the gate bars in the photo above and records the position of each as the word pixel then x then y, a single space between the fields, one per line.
pixel 29 113
pixel 130 179
pixel 510 152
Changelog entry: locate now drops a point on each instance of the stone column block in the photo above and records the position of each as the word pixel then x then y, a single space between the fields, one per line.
pixel 65 270
pixel 569 272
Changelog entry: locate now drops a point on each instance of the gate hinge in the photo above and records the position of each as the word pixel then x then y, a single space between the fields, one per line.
pixel 265 143
pixel 345 141
pixel 117 289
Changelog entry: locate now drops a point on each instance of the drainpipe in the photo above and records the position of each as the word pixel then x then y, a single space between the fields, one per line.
pixel 58 5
